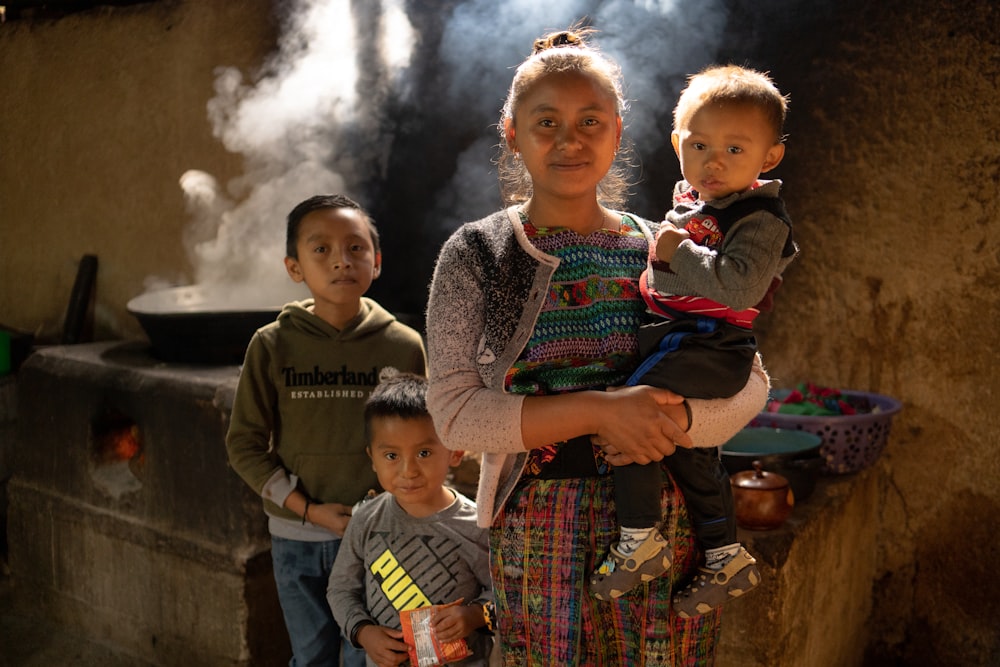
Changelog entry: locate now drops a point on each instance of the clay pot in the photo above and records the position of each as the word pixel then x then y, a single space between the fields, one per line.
pixel 795 455
pixel 763 500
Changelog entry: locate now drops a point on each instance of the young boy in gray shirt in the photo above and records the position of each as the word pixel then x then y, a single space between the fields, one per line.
pixel 415 545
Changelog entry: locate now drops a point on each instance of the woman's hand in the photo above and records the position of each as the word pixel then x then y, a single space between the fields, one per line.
pixel 643 424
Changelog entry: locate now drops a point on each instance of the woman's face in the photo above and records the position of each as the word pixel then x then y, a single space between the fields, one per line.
pixel 567 130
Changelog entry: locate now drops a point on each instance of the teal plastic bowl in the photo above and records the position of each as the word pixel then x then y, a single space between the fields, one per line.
pixel 762 441
pixel 795 455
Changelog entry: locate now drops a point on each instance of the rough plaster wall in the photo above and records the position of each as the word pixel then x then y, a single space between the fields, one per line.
pixel 895 147
pixel 100 113
pixel 893 168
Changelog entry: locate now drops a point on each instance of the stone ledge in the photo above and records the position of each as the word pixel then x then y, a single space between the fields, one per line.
pixel 164 598
pixel 813 604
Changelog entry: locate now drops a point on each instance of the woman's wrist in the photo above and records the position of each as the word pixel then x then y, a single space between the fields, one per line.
pixel 598 405
pixel 557 417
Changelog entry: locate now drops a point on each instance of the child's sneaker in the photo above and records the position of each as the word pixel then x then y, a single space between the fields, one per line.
pixel 710 588
pixel 619 574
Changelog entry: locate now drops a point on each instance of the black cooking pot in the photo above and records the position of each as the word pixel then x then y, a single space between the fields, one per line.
pixel 795 455
pixel 195 325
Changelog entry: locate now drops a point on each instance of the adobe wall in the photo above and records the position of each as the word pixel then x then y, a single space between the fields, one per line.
pixel 101 112
pixel 892 175
pixel 895 184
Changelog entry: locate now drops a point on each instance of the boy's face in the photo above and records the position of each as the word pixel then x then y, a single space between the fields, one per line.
pixel 411 463
pixel 337 261
pixel 725 148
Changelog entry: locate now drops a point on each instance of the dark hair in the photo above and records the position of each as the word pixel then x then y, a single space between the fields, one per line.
pixel 319 203
pixel 563 51
pixel 397 394
pixel 732 85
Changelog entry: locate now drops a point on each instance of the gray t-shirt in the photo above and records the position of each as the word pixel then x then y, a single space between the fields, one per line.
pixel 390 561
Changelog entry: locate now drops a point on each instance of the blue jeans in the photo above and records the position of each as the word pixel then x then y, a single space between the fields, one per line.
pixel 301 572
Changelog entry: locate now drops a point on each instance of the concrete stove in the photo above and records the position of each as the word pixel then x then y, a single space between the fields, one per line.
pixel 125 520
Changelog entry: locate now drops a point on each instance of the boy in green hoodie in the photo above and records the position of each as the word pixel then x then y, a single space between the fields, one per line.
pixel 296 434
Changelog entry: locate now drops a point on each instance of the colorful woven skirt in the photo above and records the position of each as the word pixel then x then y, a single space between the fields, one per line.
pixel 545 544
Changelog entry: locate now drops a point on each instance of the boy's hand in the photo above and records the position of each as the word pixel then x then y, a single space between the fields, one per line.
pixel 332 516
pixel 457 621
pixel 667 240
pixel 383 645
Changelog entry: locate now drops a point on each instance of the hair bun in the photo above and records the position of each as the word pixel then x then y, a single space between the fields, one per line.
pixel 389 373
pixel 557 39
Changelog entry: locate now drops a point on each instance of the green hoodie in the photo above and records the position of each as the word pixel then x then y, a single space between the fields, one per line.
pixel 303 388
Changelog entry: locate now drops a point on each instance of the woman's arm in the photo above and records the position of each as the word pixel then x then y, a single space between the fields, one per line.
pixel 642 422
pixel 714 421
pixel 467 414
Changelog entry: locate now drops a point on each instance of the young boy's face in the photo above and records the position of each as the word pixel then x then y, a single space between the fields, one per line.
pixel 411 463
pixel 724 149
pixel 337 261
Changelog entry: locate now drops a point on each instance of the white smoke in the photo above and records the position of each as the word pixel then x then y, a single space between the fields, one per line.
pixel 289 125
pixel 315 118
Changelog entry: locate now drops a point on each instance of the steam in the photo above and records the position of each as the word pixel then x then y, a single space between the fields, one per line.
pixel 289 125
pixel 330 109
pixel 657 43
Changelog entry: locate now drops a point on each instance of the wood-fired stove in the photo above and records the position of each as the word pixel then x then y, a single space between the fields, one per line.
pixel 125 520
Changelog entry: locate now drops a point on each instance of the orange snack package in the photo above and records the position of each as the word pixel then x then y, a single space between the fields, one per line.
pixel 423 645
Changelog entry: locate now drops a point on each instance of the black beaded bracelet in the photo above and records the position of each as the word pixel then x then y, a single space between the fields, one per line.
pixel 353 638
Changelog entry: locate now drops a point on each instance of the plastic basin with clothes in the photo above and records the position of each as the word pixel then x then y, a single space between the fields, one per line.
pixel 850 442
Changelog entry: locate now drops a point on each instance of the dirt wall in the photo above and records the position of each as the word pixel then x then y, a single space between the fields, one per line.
pixel 101 112
pixel 894 164
pixel 892 176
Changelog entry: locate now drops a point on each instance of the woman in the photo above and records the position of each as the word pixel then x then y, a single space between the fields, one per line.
pixel 532 316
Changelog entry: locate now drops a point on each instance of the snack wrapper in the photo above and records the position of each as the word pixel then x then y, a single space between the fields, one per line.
pixel 422 643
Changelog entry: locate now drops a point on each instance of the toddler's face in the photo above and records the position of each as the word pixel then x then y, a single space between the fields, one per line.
pixel 411 463
pixel 724 149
